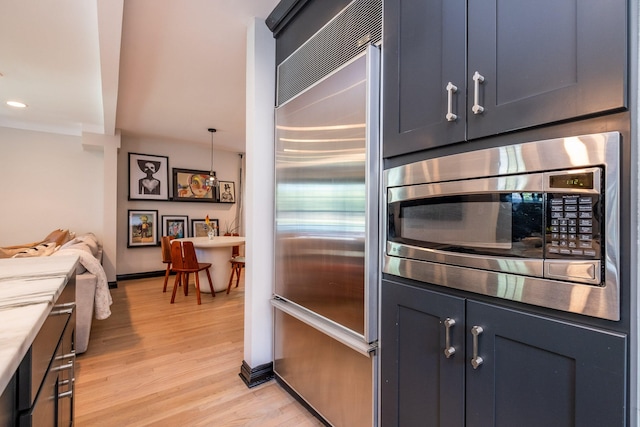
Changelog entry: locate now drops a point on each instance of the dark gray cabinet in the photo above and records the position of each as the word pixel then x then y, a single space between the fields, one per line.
pixel 527 64
pixel 45 377
pixel 493 366
pixel 423 50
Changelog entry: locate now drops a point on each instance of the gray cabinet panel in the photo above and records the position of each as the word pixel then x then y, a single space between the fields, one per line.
pixel 536 371
pixel 539 371
pixel 420 386
pixel 542 62
pixel 545 61
pixel 423 50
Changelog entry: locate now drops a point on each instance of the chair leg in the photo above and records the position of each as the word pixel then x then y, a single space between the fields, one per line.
pixel 213 292
pixel 186 285
pixel 166 277
pixel 238 275
pixel 197 287
pixel 175 286
pixel 233 269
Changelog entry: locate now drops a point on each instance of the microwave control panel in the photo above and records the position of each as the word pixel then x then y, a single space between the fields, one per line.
pixel 573 214
pixel 573 226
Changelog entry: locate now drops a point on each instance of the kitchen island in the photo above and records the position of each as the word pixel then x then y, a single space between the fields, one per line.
pixel 30 288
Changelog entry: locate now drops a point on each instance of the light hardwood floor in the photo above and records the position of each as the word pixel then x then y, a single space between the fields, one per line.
pixel 161 364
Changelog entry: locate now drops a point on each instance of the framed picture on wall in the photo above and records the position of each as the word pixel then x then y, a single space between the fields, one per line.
pixel 176 226
pixel 148 177
pixel 227 192
pixel 142 228
pixel 199 227
pixel 191 185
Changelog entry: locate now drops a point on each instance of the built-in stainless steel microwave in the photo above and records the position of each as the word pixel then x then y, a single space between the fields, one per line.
pixel 536 222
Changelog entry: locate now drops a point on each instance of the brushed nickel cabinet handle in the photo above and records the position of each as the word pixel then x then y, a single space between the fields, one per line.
pixel 477 79
pixel 449 350
pixel 451 89
pixel 476 360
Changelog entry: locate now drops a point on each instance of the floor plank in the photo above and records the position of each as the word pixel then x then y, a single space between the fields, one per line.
pixel 161 364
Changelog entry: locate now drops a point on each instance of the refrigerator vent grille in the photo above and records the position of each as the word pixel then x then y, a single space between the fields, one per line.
pixel 342 39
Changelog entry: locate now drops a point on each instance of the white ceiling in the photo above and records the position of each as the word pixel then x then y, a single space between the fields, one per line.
pixel 152 68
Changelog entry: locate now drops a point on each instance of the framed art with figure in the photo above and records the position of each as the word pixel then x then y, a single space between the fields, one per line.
pixel 148 177
pixel 142 228
pixel 176 226
pixel 191 185
pixel 227 192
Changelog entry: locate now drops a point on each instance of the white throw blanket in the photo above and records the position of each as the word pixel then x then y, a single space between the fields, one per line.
pixel 102 300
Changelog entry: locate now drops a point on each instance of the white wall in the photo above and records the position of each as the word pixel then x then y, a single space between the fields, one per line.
pixel 49 181
pixel 181 155
pixel 258 319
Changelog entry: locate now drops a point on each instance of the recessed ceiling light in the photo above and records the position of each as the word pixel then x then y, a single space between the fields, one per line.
pixel 16 104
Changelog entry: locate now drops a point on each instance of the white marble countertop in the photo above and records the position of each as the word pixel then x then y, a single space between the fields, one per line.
pixel 28 289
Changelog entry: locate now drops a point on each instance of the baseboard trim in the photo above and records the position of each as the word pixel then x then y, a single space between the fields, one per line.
pixel 146 275
pixel 113 285
pixel 256 376
pixel 300 400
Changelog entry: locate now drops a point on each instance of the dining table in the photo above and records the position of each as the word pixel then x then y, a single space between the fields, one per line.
pixel 217 251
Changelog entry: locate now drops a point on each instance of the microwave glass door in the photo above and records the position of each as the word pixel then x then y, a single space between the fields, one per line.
pixel 497 224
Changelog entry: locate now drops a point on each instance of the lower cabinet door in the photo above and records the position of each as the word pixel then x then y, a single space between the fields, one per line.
pixel 535 371
pixel 420 385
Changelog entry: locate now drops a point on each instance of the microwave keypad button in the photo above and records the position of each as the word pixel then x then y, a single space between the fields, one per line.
pixel 563 243
pixel 557 215
pixel 576 252
pixel 563 236
pixel 555 222
pixel 570 201
pixel 586 237
pixel 586 215
pixel 590 253
pixel 571 215
pixel 574 208
pixel 555 236
pixel 584 245
pixel 574 245
pixel 563 229
pixel 556 208
pixel 573 230
pixel 586 200
pixel 586 222
pixel 565 251
pixel 555 229
pixel 554 250
pixel 586 208
pixel 586 230
pixel 572 222
pixel 556 201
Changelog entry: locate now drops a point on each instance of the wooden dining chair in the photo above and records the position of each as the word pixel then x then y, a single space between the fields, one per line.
pixel 165 244
pixel 237 264
pixel 184 262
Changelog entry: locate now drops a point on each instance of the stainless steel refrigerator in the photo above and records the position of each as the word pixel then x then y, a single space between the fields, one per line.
pixel 326 242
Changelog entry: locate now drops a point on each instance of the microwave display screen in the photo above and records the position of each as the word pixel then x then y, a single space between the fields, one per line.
pixel 572 180
pixel 497 223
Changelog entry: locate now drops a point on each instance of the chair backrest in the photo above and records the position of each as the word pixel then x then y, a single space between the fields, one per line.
pixel 190 259
pixel 235 251
pixel 165 243
pixel 176 255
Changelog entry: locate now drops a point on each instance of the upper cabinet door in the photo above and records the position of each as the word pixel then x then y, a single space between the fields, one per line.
pixel 423 51
pixel 543 61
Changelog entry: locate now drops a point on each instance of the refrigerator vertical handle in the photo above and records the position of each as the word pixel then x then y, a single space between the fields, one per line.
pixel 373 184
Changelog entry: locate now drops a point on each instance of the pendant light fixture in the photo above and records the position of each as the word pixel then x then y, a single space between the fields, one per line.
pixel 212 181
